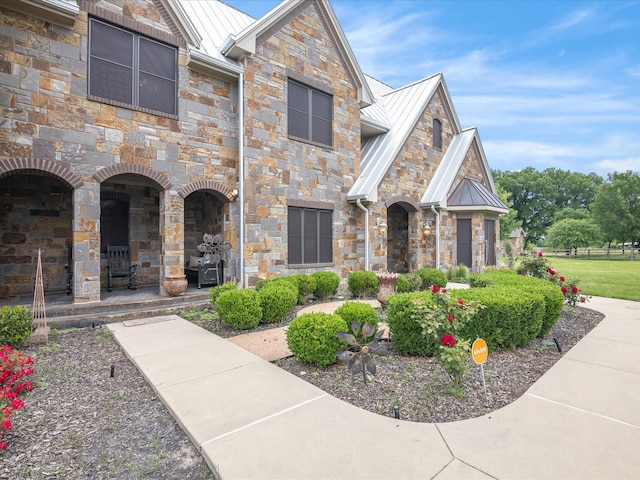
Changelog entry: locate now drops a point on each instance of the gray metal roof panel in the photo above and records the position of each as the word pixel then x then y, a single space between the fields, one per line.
pixel 471 193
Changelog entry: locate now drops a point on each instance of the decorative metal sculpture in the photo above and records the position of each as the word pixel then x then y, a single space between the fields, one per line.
pixel 214 247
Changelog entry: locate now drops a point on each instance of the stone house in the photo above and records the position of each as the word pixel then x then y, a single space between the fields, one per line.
pixel 148 123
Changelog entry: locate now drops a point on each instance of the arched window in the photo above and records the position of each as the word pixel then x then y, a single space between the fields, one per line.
pixel 437 133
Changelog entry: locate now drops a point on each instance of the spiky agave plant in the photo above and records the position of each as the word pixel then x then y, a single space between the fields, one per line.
pixel 359 355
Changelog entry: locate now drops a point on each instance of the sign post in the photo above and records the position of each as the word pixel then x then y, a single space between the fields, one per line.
pixel 479 353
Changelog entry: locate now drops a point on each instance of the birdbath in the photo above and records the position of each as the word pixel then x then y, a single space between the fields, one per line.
pixel 386 286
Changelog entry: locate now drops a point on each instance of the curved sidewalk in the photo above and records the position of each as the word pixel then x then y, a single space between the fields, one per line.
pixel 253 420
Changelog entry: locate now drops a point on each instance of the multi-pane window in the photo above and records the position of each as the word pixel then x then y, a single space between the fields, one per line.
pixel 129 68
pixel 437 133
pixel 310 113
pixel 310 237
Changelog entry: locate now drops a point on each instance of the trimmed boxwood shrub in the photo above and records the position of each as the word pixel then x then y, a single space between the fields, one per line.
pixel 406 334
pixel 277 300
pixel 326 284
pixel 362 283
pixel 313 337
pixel 512 316
pixel 214 292
pixel 553 298
pixel 432 276
pixel 15 325
pixel 240 309
pixel 409 282
pixel 361 312
pixel 479 280
pixel 306 284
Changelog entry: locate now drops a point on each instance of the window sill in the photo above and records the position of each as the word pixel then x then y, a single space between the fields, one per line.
pixel 310 142
pixel 310 265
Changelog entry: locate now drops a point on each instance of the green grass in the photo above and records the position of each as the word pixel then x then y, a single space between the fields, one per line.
pixel 602 278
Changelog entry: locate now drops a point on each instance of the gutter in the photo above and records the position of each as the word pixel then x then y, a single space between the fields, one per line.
pixel 243 280
pixel 366 233
pixel 437 215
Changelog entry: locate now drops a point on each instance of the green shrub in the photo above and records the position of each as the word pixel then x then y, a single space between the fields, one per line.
pixel 261 283
pixel 306 284
pixel 15 325
pixel 313 337
pixel 406 333
pixel 361 312
pixel 362 284
pixel 326 284
pixel 512 316
pixel 479 280
pixel 215 292
pixel 409 282
pixel 432 276
pixel 553 298
pixel 458 274
pixel 240 309
pixel 277 300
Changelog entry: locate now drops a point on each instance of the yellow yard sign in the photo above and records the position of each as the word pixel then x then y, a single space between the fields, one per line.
pixel 479 351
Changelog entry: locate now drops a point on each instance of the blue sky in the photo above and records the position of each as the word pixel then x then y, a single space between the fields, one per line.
pixel 547 83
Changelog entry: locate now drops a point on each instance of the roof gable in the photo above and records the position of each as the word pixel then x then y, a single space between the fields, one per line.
pixel 438 189
pixel 401 109
pixel 470 194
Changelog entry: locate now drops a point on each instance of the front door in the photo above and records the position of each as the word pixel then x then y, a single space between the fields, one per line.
pixel 490 243
pixel 464 242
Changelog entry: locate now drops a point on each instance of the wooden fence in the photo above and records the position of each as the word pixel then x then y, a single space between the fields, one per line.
pixel 597 253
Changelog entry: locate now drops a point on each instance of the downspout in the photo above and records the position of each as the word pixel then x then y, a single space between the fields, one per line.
pixel 437 215
pixel 241 175
pixel 366 233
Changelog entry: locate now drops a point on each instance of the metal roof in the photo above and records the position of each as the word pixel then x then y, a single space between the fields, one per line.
pixel 442 181
pixel 470 194
pixel 403 108
pixel 215 21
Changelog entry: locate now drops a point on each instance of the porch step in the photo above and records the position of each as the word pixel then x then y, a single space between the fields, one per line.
pixel 121 306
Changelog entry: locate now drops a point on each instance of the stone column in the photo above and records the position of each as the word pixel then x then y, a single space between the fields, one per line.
pixel 172 233
pixel 86 243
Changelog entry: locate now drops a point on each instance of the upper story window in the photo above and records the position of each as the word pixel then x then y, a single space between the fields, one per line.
pixel 437 133
pixel 129 68
pixel 310 114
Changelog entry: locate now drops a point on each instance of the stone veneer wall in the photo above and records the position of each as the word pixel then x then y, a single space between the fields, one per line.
pixel 47 115
pixel 281 169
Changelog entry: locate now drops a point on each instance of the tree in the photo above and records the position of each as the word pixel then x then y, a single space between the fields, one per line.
pixel 532 195
pixel 575 213
pixel 573 189
pixel 571 233
pixel 508 222
pixel 617 207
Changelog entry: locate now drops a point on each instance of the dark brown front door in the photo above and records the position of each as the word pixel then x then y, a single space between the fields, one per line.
pixel 490 242
pixel 464 242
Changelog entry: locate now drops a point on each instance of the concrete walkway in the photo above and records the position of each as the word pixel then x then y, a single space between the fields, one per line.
pixel 252 420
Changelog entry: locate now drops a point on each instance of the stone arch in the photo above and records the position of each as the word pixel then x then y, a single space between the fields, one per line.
pixel 216 188
pixel 128 168
pixel 40 166
pixel 405 202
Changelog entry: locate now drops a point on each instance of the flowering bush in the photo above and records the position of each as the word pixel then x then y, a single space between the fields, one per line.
pixel 535 265
pixel 13 368
pixel 571 292
pixel 443 319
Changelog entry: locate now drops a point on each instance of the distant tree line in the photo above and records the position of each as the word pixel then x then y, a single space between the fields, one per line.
pixel 563 209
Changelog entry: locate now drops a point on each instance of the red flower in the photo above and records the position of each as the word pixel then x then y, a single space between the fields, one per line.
pixel 17 404
pixel 6 425
pixel 574 289
pixel 435 289
pixel 551 271
pixel 460 301
pixel 3 445
pixel 450 318
pixel 562 279
pixel 444 290
pixel 564 290
pixel 539 254
pixel 448 340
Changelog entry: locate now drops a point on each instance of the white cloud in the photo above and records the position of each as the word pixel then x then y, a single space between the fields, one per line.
pixel 619 165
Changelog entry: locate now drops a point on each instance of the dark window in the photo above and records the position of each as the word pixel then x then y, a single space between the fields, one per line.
pixel 310 236
pixel 437 133
pixel 310 113
pixel 114 223
pixel 129 68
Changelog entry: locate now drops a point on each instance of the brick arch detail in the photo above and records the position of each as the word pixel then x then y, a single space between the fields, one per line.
pixel 40 165
pixel 129 168
pixel 219 190
pixel 405 202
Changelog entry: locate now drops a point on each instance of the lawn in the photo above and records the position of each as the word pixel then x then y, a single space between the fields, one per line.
pixel 602 278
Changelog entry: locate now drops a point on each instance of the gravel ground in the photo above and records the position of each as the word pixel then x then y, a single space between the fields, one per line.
pixel 79 422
